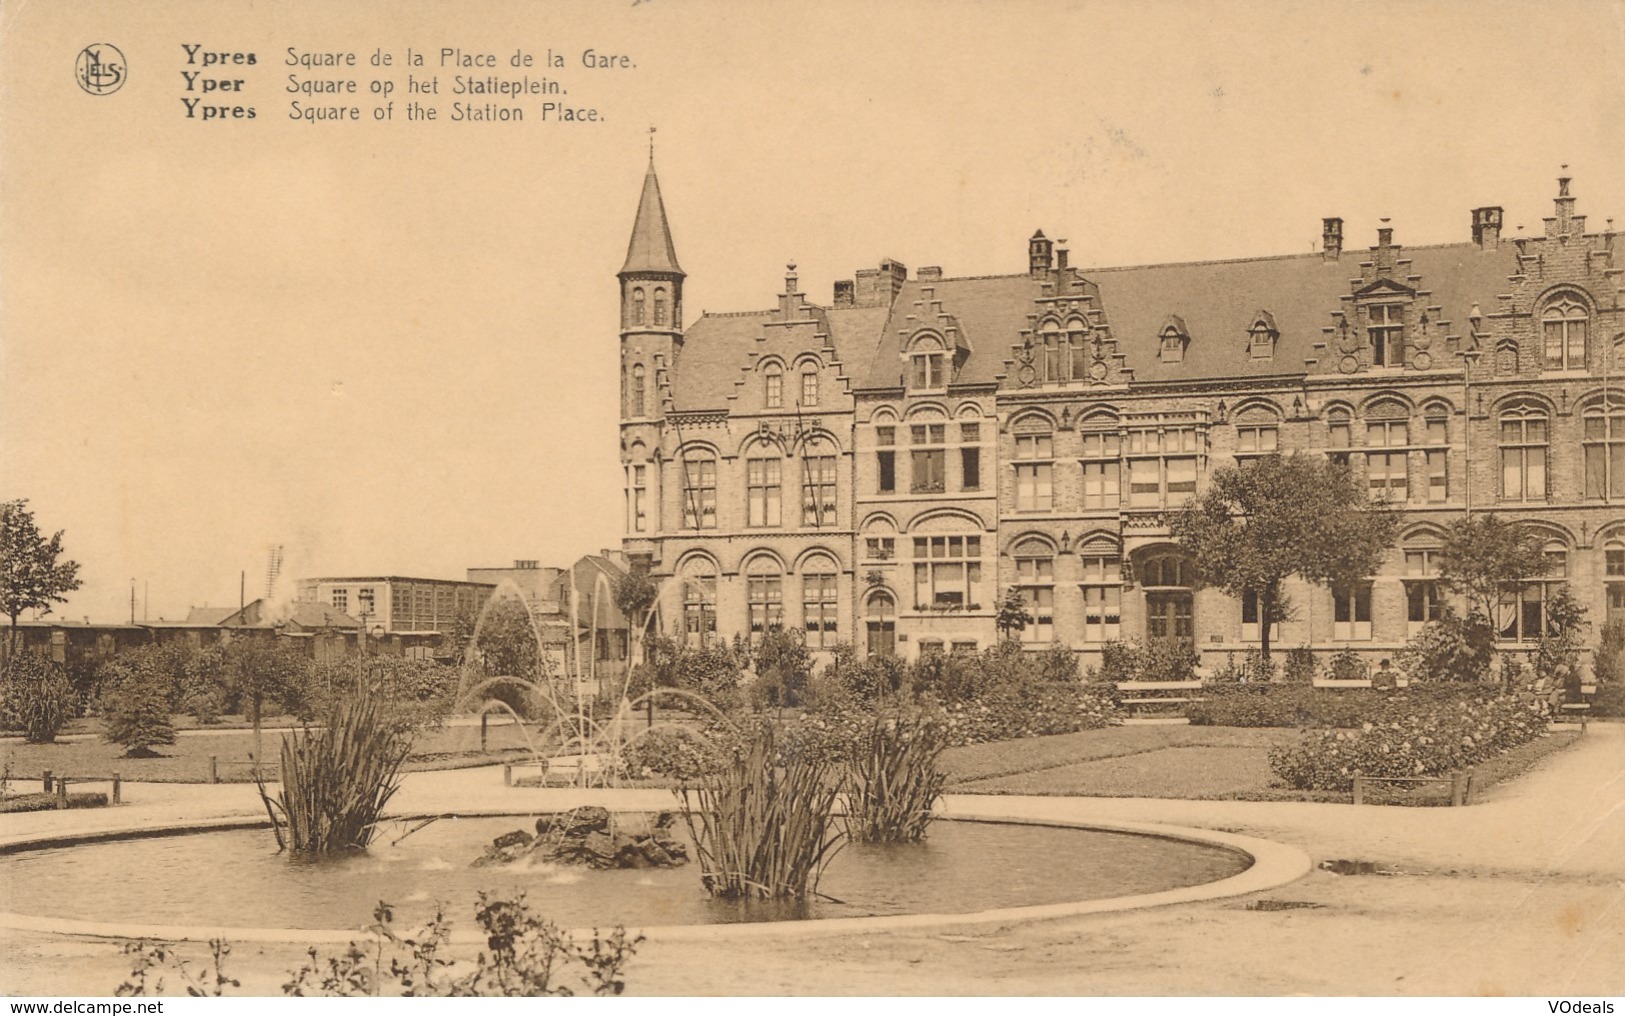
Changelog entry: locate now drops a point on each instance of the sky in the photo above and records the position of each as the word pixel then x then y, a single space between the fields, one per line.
pixel 390 347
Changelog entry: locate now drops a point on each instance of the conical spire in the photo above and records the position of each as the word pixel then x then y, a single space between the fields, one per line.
pixel 651 249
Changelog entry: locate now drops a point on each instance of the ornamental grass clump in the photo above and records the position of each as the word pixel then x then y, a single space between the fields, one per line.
pixel 337 779
pixel 764 825
pixel 893 779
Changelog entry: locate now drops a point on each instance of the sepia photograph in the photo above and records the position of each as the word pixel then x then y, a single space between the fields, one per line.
pixel 690 498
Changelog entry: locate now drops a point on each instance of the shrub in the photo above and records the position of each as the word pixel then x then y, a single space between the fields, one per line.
pixel 1283 705
pixel 1058 664
pixel 1301 666
pixel 35 696
pixel 1252 669
pixel 1450 648
pixel 1609 699
pixel 1414 735
pixel 337 779
pixel 677 752
pixel 1168 660
pixel 893 778
pixel 1119 661
pixel 763 826
pixel 783 668
pixel 1557 654
pixel 135 705
pixel 1608 666
pixel 1348 666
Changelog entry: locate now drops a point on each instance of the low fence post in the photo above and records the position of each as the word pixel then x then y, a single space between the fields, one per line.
pixel 507 774
pixel 214 768
pixel 1472 775
pixel 61 792
pixel 117 797
pixel 1359 789
pixel 484 718
pixel 46 779
pixel 1457 790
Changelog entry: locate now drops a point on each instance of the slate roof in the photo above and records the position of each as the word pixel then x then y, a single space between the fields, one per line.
pixel 651 248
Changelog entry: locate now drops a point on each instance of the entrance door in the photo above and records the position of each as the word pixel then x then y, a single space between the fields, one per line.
pixel 1169 615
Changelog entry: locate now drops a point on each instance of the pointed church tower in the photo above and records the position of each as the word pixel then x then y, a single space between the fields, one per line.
pixel 651 303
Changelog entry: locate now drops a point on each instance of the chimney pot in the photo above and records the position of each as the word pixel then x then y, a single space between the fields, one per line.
pixel 1060 259
pixel 845 293
pixel 1487 227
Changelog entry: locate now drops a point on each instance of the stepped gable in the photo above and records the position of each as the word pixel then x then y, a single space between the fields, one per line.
pixel 983 312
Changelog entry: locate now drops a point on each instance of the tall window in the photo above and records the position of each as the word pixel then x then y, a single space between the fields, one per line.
pixel 1161 466
pixel 809 385
pixel 880 616
pixel 1055 352
pixel 928 362
pixel 764 595
pixel 886 459
pixel 1102 587
pixel 640 498
pixel 1436 460
pixel 1564 325
pixel 1523 605
pixel 1523 455
pixel 1339 435
pixel 1170 605
pixel 699 491
pixel 1422 596
pixel 819 608
pixel 637 306
pixel 1614 578
pixel 1077 335
pixel 947 571
pixel 773 386
pixel 1385 331
pixel 764 491
pixel 1386 469
pixel 818 484
pixel 1604 444
pixel 364 601
pixel 1035 472
pixel 1256 440
pixel 1035 578
pixel 970 456
pixel 927 458
pixel 660 306
pixel 637 390
pixel 1351 612
pixel 699 603
pixel 1100 463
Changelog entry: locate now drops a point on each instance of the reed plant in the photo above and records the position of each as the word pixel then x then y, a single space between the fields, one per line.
pixel 893 779
pixel 764 825
pixel 338 778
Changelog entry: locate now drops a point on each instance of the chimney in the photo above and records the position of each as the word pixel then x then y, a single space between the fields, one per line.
pixel 1039 251
pixel 931 274
pixel 1060 258
pixel 1487 227
pixel 845 294
pixel 1331 239
pixel 878 287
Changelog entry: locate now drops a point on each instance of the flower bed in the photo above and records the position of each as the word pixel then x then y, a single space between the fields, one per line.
pixel 1421 734
pixel 1284 705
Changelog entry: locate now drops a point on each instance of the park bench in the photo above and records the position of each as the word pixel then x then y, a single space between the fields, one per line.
pixel 1138 696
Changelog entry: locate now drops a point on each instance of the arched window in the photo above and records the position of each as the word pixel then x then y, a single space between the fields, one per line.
pixel 699 601
pixel 819 601
pixel 764 594
pixel 1102 587
pixel 1604 444
pixel 880 617
pixel 699 489
pixel 1035 468
pixel 1169 602
pixel 1077 337
pixel 637 306
pixel 1523 454
pixel 818 487
pixel 809 385
pixel 637 406
pixel 1173 345
pixel 1522 609
pixel 1564 324
pixel 929 362
pixel 660 306
pixel 1054 353
pixel 773 386
pixel 1035 578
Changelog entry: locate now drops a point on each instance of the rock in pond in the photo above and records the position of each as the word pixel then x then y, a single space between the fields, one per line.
pixel 593 837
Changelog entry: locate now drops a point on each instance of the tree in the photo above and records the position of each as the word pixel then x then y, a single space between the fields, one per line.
pixel 134 700
pixel 1013 617
pixel 635 594
pixel 262 668
pixel 1482 554
pixel 32 574
pixel 1276 517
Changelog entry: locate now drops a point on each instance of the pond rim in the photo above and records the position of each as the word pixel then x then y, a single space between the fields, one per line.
pixel 1272 865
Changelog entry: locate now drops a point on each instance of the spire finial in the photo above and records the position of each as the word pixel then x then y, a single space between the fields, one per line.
pixel 651 142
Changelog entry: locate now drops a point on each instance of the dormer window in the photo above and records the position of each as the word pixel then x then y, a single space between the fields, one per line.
pixel 929 364
pixel 1261 337
pixel 1385 332
pixel 1174 340
pixel 773 386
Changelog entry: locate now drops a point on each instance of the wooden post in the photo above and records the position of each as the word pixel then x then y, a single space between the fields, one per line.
pixel 484 718
pixel 1467 798
pixel 117 798
pixel 62 792
pixel 214 768
pixel 1457 790
pixel 507 774
pixel 1359 789
pixel 46 779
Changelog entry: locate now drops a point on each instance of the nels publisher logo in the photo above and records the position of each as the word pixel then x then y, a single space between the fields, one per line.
pixel 100 69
